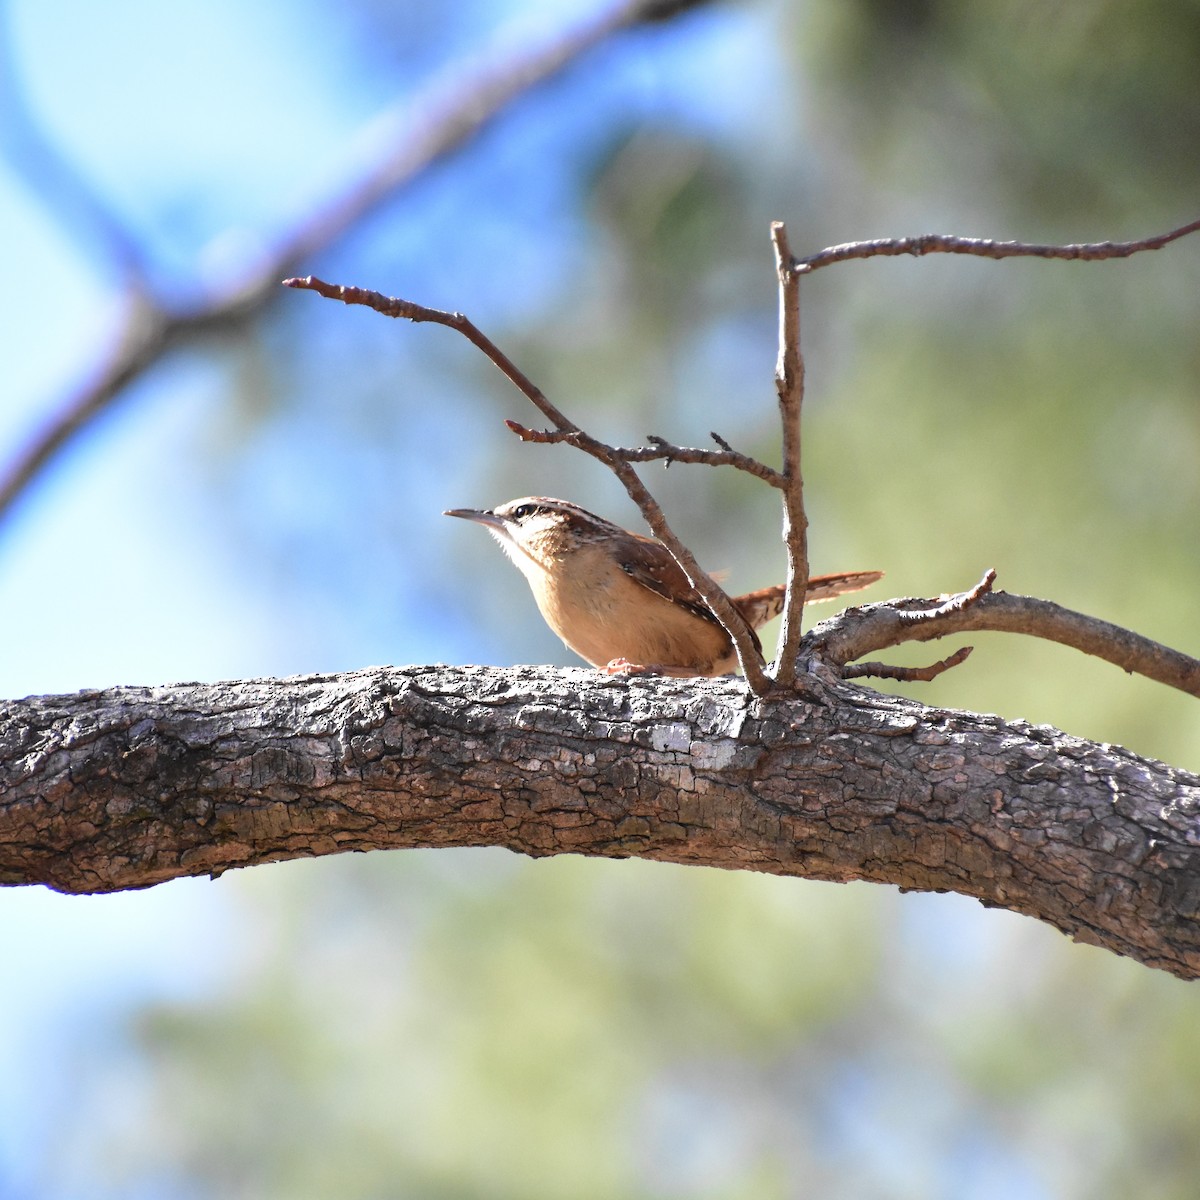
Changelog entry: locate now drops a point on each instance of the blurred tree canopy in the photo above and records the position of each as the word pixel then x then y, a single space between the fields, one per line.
pixel 466 1024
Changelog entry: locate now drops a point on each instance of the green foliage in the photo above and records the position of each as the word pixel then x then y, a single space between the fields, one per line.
pixel 464 1024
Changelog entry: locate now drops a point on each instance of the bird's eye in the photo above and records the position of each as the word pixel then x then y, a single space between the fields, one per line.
pixel 522 511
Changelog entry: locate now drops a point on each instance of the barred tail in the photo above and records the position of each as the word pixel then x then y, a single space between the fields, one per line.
pixel 759 607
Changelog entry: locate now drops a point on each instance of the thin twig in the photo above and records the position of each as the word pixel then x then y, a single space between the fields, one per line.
pixel 789 386
pixel 452 117
pixel 880 670
pixel 857 631
pixel 660 448
pixel 952 604
pixel 713 595
pixel 942 243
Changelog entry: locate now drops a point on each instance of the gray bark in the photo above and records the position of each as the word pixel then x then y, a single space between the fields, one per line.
pixel 102 791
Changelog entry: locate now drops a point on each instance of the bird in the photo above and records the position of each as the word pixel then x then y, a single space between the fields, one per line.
pixel 620 600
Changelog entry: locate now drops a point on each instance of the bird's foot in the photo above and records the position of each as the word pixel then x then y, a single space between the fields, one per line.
pixel 622 666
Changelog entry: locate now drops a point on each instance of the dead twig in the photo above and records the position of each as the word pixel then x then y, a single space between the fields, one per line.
pixel 407 310
pixel 789 387
pixel 952 604
pixel 660 449
pixel 714 596
pixel 854 632
pixel 942 243
pixel 907 674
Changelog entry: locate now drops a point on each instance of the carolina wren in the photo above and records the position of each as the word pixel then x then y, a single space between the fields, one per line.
pixel 619 600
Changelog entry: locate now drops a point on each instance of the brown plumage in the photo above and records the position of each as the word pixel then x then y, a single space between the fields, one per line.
pixel 618 599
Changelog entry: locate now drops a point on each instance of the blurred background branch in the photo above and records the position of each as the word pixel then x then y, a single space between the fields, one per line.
pixel 448 118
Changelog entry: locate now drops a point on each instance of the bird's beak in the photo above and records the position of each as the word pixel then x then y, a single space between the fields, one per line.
pixel 484 516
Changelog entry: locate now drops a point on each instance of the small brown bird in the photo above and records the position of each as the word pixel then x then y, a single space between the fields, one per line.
pixel 619 600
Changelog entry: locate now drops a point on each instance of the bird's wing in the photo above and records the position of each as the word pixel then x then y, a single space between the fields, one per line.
pixel 648 562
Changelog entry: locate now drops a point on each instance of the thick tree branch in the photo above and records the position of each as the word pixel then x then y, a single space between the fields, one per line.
pixel 101 791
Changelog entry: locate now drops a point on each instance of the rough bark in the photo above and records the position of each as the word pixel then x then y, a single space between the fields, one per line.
pixel 101 791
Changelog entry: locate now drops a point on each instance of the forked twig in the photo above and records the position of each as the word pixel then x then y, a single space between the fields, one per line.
pixel 857 631
pixel 660 449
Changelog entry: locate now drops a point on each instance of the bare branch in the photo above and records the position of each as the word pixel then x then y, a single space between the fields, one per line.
pixel 452 118
pixel 143 340
pixel 907 674
pixel 714 596
pixel 873 627
pixel 941 243
pixel 659 449
pixel 789 386
pixel 952 604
